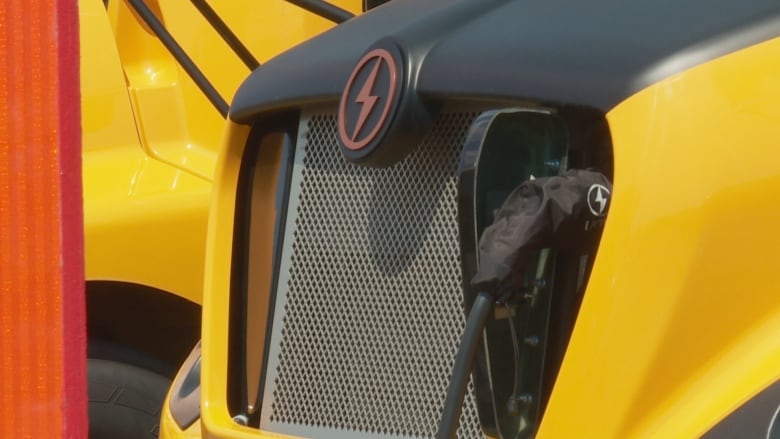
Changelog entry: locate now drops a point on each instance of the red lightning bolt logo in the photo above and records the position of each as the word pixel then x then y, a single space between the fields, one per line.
pixel 366 98
pixel 376 106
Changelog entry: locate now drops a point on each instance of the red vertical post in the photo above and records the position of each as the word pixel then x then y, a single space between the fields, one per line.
pixel 42 317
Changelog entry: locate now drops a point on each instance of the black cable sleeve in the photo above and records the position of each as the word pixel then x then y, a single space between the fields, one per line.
pixel 227 35
pixel 472 336
pixel 324 9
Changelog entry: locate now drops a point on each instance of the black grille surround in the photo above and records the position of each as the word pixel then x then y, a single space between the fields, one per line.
pixel 369 303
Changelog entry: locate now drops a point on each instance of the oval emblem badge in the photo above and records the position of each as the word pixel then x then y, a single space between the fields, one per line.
pixel 368 101
pixel 598 198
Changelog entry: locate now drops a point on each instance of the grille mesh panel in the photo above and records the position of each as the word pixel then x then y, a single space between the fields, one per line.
pixel 369 311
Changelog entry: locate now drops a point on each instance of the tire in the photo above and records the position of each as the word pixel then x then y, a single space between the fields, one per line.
pixel 125 401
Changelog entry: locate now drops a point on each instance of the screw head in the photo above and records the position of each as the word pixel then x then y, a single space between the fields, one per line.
pixel 531 340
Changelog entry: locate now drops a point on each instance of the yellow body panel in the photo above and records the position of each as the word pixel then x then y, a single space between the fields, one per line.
pixel 215 419
pixel 170 430
pixel 145 221
pixel 680 321
pixel 151 136
pixel 214 413
pixel 107 117
pixel 176 122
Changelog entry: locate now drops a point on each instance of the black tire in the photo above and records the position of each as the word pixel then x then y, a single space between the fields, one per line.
pixel 125 401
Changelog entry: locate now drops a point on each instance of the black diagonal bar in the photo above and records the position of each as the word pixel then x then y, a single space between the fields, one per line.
pixel 184 60
pixel 227 35
pixel 324 9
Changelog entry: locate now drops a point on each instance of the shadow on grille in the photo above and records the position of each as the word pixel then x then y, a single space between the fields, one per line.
pixel 405 199
pixel 372 306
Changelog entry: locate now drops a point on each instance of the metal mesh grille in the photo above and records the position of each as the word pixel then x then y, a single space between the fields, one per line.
pixel 369 309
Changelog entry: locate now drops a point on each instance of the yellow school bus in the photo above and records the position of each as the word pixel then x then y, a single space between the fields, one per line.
pixel 156 76
pixel 501 219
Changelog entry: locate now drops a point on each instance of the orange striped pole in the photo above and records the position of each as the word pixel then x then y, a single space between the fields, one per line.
pixel 42 325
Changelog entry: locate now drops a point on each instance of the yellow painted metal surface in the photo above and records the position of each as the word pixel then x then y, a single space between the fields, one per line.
pixel 680 321
pixel 107 117
pixel 170 430
pixel 151 136
pixel 145 221
pixel 215 419
pixel 177 124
